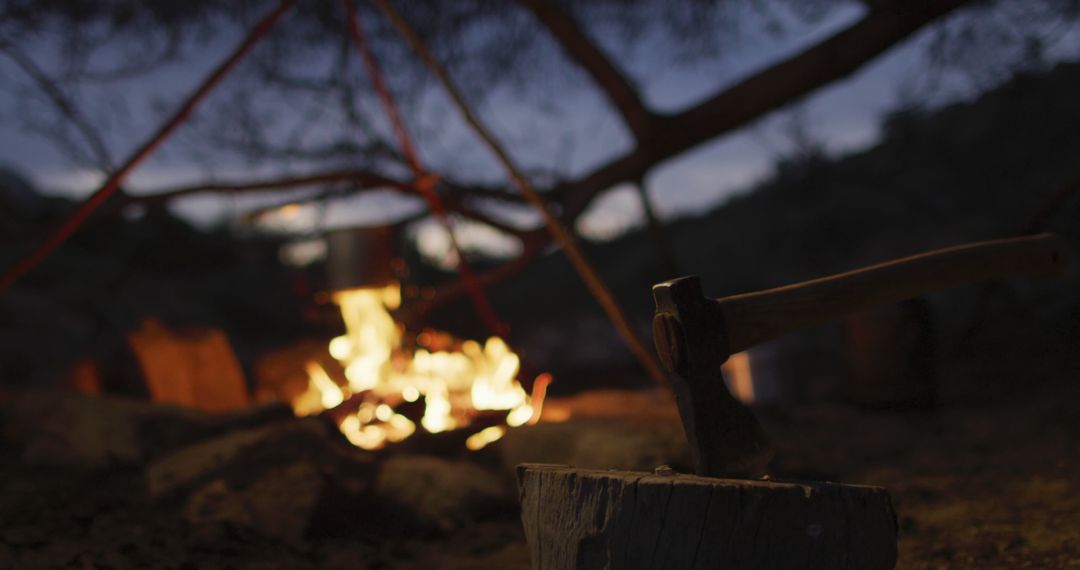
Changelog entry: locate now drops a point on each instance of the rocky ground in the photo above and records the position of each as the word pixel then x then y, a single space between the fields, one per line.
pixel 90 483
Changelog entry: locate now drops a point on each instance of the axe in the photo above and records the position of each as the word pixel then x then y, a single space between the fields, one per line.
pixel 694 335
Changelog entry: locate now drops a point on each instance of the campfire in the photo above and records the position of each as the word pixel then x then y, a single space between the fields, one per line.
pixel 435 383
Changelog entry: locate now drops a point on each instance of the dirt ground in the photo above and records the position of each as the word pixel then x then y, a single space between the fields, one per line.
pixel 977 484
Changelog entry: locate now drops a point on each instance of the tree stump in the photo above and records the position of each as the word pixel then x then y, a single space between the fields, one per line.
pixel 586 519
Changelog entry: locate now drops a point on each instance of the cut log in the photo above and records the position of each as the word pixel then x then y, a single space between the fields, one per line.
pixel 588 519
pixel 443 494
pixel 195 367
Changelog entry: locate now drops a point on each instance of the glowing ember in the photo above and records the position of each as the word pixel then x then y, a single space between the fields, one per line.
pixel 453 384
pixel 480 439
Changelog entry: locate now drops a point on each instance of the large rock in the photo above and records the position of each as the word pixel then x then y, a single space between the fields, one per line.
pixel 52 427
pixel 277 479
pixel 597 444
pixel 444 493
pixel 279 502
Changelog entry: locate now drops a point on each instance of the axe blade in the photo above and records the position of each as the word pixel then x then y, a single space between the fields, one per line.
pixel 725 438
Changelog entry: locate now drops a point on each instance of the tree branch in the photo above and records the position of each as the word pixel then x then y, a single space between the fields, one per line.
pixel 488 220
pixel 587 54
pixel 559 231
pixel 340 192
pixel 782 83
pixel 64 104
pixel 454 193
pixel 112 184
pixel 362 178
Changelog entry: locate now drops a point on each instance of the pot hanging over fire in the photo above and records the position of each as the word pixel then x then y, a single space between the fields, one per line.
pixel 391 385
pixel 359 257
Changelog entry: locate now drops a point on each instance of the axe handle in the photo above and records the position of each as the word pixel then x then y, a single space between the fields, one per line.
pixel 754 318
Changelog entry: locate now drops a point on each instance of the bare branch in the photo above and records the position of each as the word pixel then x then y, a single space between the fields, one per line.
pixel 362 178
pixel 784 82
pixel 63 104
pixel 832 59
pixel 334 191
pixel 149 61
pixel 337 191
pixel 588 55
pixel 258 213
pixel 486 219
pixel 559 232
pixel 455 193
pixel 254 143
pixel 112 184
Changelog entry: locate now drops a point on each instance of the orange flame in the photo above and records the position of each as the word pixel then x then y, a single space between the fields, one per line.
pixel 454 384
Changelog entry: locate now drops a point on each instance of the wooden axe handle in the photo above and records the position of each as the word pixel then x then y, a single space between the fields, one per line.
pixel 754 318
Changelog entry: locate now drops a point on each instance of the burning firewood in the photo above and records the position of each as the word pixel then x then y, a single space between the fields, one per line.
pixel 391 389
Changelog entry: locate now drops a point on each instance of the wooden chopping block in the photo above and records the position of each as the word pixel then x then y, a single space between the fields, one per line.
pixel 577 518
pixel 592 519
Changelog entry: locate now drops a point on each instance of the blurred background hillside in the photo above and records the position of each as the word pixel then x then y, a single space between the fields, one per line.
pixel 992 167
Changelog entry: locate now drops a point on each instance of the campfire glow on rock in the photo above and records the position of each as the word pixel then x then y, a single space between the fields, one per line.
pixel 451 380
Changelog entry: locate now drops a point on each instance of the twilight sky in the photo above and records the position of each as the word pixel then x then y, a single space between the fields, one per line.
pixel 573 131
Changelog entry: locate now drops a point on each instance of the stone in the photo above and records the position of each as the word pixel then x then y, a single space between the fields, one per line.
pixel 279 503
pixel 276 479
pixel 62 428
pixel 597 444
pixel 185 466
pixel 445 493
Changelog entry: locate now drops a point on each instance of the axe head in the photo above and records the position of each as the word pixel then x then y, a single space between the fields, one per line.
pixel 725 438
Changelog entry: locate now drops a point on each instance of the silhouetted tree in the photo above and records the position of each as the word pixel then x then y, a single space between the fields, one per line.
pixel 320 117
